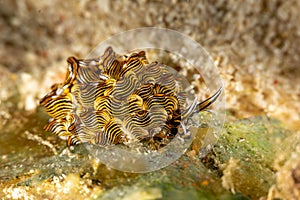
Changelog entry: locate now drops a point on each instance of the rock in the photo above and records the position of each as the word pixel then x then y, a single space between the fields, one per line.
pixel 240 166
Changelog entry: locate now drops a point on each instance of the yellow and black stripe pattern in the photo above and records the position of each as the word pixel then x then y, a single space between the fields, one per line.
pixel 115 99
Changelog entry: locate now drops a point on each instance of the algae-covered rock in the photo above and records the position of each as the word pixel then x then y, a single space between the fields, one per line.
pixel 245 154
pixel 287 165
pixel 239 167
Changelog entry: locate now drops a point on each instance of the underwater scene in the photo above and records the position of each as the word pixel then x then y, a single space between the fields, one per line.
pixel 150 100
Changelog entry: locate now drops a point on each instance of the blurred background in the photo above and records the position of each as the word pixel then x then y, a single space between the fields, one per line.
pixel 255 45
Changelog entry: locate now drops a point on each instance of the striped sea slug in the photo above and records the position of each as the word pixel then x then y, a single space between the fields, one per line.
pixel 118 99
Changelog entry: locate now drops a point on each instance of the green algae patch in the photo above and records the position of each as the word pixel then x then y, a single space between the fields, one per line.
pixel 287 165
pixel 245 153
pixel 44 168
pixel 241 166
pixel 187 178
